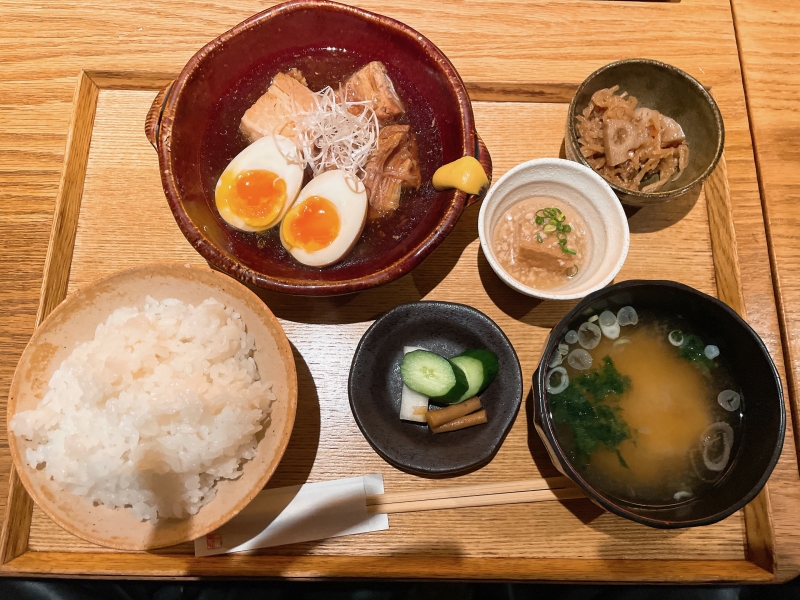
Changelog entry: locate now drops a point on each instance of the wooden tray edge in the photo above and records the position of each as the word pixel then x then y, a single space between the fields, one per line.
pixel 19 507
pixel 757 514
pixel 385 567
pixel 16 559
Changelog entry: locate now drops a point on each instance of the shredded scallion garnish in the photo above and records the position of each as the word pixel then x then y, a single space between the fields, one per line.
pixel 331 137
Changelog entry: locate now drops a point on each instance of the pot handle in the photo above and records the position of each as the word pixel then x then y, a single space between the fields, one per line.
pixel 152 124
pixel 483 156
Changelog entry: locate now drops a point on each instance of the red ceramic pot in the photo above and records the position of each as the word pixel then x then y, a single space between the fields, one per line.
pixel 193 124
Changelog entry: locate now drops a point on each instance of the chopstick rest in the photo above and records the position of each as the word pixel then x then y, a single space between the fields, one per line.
pixel 299 513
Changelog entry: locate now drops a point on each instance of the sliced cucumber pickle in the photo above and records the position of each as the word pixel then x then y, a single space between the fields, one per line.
pixel 473 369
pixel 429 374
pixel 489 363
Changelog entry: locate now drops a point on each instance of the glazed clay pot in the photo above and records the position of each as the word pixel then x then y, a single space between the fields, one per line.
pixel 193 124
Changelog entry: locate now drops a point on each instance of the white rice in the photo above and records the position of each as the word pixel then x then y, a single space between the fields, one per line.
pixel 161 404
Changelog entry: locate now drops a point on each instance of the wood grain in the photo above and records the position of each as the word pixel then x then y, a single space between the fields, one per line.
pixel 724 244
pixel 767 35
pixel 757 514
pixel 388 566
pixel 514 43
pixel 324 333
pixel 16 521
pixel 68 201
pixel 760 533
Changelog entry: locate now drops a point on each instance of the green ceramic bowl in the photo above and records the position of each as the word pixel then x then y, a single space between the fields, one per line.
pixel 673 93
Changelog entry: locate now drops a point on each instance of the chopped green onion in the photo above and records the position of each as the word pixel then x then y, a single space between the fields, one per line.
pixel 676 338
pixel 551 220
pixel 572 271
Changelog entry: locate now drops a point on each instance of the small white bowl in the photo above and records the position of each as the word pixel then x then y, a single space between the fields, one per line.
pixel 583 190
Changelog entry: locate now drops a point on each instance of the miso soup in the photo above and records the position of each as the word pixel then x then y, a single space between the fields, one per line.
pixel 644 406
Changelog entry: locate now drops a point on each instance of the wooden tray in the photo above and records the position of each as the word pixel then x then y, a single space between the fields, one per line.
pixel 111 213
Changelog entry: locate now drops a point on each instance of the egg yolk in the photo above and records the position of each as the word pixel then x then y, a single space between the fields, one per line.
pixel 256 196
pixel 311 225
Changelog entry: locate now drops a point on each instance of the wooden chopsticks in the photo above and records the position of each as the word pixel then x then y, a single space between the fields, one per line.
pixel 488 494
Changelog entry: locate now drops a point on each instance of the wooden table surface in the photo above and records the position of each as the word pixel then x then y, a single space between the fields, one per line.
pixel 43 47
pixel 767 33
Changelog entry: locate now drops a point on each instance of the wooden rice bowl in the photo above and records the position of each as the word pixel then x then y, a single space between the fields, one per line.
pixel 74 322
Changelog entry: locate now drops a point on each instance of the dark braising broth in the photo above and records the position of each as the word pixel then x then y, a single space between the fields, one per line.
pixel 321 67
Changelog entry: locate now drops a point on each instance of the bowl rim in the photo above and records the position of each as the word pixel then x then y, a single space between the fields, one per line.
pixel 658 195
pixel 546 429
pixel 230 265
pixel 613 206
pixel 483 461
pixel 84 294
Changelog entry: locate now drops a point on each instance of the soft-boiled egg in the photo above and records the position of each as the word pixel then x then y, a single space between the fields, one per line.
pixel 258 186
pixel 326 220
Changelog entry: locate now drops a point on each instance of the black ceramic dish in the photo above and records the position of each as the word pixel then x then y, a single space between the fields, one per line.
pixel 375 388
pixel 672 92
pixel 763 419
